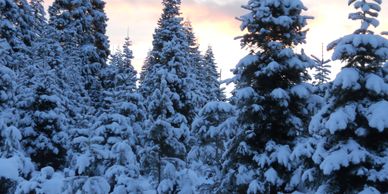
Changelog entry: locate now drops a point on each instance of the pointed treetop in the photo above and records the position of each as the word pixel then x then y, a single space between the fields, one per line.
pixel 362 49
pixel 171 8
pixel 368 11
pixel 274 21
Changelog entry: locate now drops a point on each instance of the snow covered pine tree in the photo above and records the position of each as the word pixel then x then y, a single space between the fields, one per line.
pixel 212 77
pixel 82 28
pixel 270 99
pixel 353 124
pixel 167 87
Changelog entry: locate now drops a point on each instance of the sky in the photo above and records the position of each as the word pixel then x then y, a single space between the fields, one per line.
pixel 215 25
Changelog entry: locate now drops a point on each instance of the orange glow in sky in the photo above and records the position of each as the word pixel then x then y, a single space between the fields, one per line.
pixel 214 24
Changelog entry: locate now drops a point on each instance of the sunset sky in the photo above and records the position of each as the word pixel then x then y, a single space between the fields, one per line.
pixel 215 24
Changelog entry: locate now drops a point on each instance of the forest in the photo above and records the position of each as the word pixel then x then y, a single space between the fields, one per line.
pixel 77 118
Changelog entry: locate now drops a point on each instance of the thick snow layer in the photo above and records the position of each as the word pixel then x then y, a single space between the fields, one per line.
pixel 369 190
pixel 272 176
pixel 97 185
pixel 342 156
pixel 54 185
pixel 244 175
pixel 301 90
pixel 245 93
pixel 280 95
pixel 347 79
pixel 281 154
pixel 340 119
pixel 255 187
pixel 248 60
pixel 378 115
pixel 217 106
pixel 352 45
pixel 376 84
pixel 9 168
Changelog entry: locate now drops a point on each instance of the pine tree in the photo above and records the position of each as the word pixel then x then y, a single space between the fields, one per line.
pixel 127 73
pixel 211 130
pixel 9 135
pixel 199 99
pixel 322 69
pixel 43 120
pixel 39 13
pixel 82 28
pixel 166 87
pixel 12 156
pixel 352 152
pixel 16 31
pixel 270 98
pixel 212 78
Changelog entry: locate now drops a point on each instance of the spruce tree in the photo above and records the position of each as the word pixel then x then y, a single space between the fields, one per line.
pixel 15 29
pixel 166 87
pixel 212 128
pixel 43 120
pixel 199 97
pixel 352 152
pixel 127 73
pixel 13 161
pixel 9 135
pixel 82 28
pixel 322 69
pixel 212 77
pixel 39 13
pixel 270 98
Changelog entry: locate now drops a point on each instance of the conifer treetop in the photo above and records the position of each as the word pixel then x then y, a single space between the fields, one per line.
pixel 362 49
pixel 368 11
pixel 274 21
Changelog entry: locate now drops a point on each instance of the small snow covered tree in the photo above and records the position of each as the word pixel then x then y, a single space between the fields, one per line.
pixel 352 153
pixel 270 98
pixel 322 69
pixel 43 120
pixel 212 77
pixel 211 130
pixel 127 73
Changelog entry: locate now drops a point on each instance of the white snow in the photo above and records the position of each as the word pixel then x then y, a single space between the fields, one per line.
pixel 340 119
pixel 369 190
pixel 245 93
pixel 9 168
pixel 301 90
pixel 377 115
pixel 347 79
pixel 272 176
pixel 281 95
pixel 343 155
pixel 376 84
pixel 255 187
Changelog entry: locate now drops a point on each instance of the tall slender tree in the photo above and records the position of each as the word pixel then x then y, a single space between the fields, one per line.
pixel 270 98
pixel 212 77
pixel 322 69
pixel 167 88
pixel 352 153
pixel 197 69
